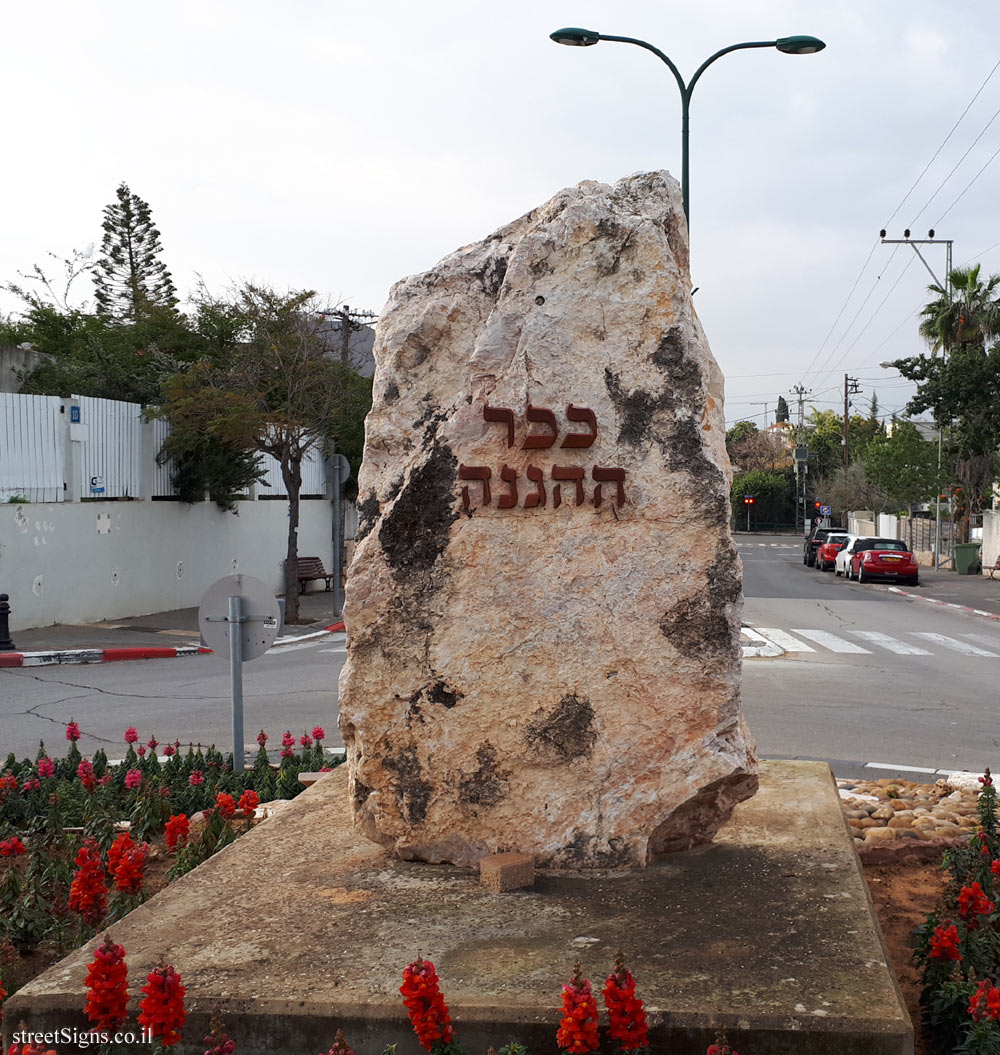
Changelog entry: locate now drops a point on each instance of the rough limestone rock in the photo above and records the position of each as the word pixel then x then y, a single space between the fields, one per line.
pixel 543 608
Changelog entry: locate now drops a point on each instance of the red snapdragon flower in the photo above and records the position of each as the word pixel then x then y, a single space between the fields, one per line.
pixel 985 1002
pixel 85 771
pixel 8 782
pixel 12 847
pixel 626 1015
pixel 287 739
pixel 319 733
pixel 30 1049
pixel 88 893
pixel 131 736
pixel 720 1047
pixel 425 1004
pixel 196 778
pixel 249 801
pixel 32 784
pixel 262 738
pixel 161 1010
pixel 107 986
pixel 305 740
pixel 153 743
pixel 141 750
pixel 577 1032
pixel 340 1045
pixel 133 778
pixel 995 867
pixel 170 750
pixel 226 804
pixel 72 730
pixel 128 877
pixel 177 830
pixel 986 780
pixel 218 1042
pixel 119 848
pixel 46 767
pixel 972 903
pixel 944 943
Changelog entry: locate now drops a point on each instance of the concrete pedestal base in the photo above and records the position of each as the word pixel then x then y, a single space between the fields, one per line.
pixel 302 927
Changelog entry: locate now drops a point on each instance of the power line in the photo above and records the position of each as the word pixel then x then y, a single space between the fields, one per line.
pixel 943 144
pixel 969 184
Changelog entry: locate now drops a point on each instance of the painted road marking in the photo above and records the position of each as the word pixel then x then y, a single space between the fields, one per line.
pixel 905 769
pixel 955 645
pixel 785 640
pixel 983 639
pixel 831 641
pixel 892 644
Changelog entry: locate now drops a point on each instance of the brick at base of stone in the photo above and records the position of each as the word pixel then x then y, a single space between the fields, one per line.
pixel 500 872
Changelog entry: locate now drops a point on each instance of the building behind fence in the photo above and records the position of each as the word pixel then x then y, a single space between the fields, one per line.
pixel 90 527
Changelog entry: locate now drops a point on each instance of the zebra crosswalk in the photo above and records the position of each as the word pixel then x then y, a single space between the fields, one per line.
pixel 773 641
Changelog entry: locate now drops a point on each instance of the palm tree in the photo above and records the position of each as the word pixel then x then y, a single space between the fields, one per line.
pixel 966 316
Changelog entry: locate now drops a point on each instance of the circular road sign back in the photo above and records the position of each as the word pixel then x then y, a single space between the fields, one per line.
pixel 260 613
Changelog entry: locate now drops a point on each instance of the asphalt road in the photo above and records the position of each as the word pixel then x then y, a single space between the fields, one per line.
pixel 888 681
pixel 187 699
pixel 885 681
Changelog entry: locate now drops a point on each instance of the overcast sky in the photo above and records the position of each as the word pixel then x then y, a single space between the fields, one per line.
pixel 340 146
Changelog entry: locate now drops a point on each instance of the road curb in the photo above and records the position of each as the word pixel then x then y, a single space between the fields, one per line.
pixel 763 648
pixel 944 604
pixel 70 656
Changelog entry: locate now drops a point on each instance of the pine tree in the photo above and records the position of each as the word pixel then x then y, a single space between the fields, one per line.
pixel 781 414
pixel 130 278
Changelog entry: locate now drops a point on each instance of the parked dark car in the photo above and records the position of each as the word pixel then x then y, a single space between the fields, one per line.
pixel 813 542
pixel 882 558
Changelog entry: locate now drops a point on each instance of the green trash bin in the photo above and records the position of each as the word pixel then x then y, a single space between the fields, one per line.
pixel 967 558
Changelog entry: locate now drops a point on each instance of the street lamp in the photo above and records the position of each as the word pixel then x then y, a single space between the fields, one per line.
pixel 799 45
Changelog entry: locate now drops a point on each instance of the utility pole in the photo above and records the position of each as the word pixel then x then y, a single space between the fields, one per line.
pixel 800 394
pixel 851 387
pixel 765 406
pixel 350 322
pixel 929 240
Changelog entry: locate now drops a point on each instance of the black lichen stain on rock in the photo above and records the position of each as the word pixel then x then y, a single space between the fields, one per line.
pixel 361 793
pixel 635 410
pixel 429 420
pixel 368 512
pixel 566 733
pixel 590 851
pixel 391 393
pixel 683 374
pixel 412 792
pixel 441 693
pixel 416 530
pixel 488 784
pixel 491 275
pixel 701 625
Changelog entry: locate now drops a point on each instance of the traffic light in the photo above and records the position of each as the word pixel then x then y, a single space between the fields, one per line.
pixel 748 500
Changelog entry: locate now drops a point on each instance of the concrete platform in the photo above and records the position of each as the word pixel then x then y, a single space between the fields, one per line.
pixel 302 927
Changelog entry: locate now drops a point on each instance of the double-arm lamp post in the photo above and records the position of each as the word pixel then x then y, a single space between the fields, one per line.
pixel 789 45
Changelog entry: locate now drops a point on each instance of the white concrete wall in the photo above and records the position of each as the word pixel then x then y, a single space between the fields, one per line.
pixel 79 562
pixel 991 537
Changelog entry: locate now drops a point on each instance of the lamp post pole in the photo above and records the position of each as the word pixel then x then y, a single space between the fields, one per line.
pixel 800 45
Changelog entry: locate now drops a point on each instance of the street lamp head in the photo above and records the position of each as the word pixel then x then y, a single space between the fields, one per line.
pixel 799 45
pixel 887 366
pixel 579 38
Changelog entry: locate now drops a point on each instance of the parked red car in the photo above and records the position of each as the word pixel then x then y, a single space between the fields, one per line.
pixel 882 558
pixel 826 552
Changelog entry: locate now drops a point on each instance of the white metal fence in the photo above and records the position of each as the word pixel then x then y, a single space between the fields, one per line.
pixel 54 450
pixel 31 448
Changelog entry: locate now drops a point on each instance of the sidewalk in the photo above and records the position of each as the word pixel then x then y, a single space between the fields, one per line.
pixel 974 593
pixel 156 636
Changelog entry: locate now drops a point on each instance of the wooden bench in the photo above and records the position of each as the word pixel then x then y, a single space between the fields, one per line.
pixel 995 566
pixel 310 569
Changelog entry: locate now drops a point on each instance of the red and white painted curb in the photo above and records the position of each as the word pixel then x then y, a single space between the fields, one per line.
pixel 112 655
pixel 943 604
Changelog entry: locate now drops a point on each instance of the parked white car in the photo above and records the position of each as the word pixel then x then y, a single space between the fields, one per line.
pixel 844 556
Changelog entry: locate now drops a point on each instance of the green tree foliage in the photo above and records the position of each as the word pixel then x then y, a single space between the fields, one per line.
pixel 961 387
pixel 130 278
pixel 781 414
pixel 774 494
pixel 272 387
pixel 903 466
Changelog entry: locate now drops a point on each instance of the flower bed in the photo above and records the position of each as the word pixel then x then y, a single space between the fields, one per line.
pixel 84 840
pixel 958 948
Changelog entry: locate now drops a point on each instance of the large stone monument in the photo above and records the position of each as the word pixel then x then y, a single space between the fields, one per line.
pixel 544 605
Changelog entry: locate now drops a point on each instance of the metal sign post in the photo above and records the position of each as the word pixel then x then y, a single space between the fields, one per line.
pixel 341 470
pixel 239 616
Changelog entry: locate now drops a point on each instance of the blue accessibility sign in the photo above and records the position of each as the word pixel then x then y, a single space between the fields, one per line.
pixel 825 511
